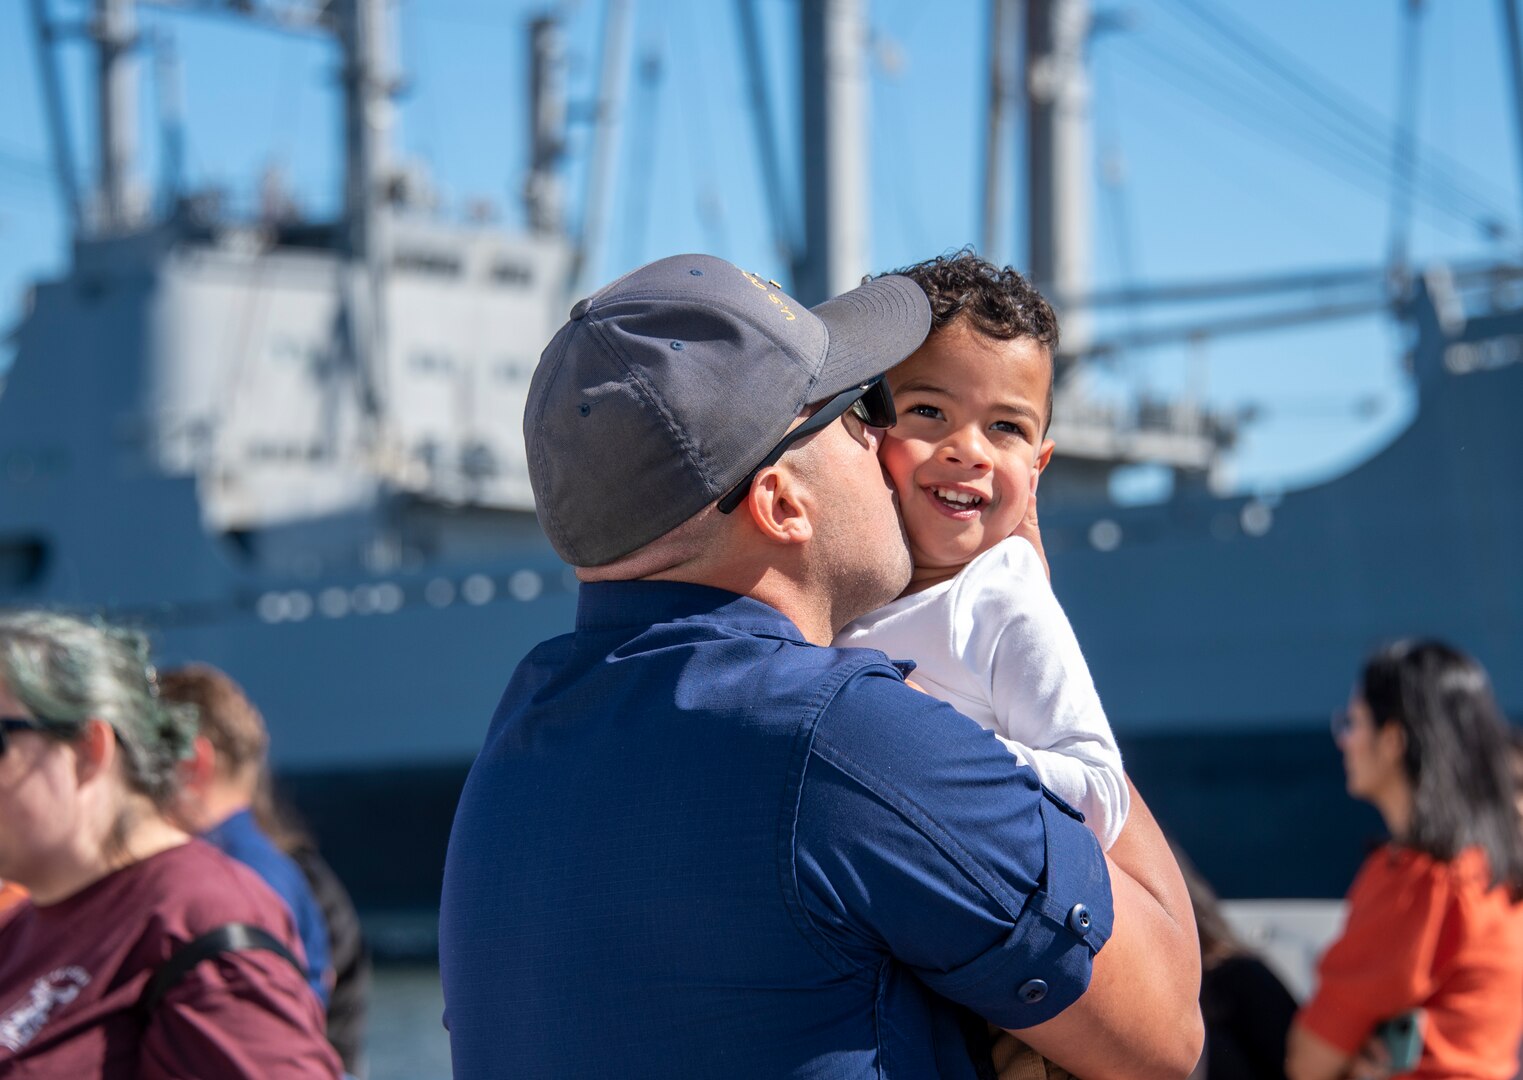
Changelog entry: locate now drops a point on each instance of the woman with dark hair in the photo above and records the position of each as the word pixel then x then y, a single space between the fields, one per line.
pixel 1434 921
pixel 140 953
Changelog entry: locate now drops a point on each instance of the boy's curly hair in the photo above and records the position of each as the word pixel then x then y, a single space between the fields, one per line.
pixel 996 301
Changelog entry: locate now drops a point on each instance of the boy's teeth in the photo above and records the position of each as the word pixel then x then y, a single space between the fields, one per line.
pixel 961 497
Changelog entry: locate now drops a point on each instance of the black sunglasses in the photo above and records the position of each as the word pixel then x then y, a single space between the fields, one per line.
pixel 9 724
pixel 872 402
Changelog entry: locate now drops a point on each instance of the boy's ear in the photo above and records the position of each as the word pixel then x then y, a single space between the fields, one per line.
pixel 778 505
pixel 1043 458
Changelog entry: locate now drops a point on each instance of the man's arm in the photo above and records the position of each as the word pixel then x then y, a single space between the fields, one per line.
pixel 1140 1018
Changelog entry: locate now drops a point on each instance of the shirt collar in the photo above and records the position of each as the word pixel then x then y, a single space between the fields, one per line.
pixel 611 605
pixel 239 823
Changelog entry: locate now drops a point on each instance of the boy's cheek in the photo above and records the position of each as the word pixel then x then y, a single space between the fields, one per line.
pixel 890 446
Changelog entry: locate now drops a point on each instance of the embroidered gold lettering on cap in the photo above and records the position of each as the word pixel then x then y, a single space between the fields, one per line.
pixel 756 279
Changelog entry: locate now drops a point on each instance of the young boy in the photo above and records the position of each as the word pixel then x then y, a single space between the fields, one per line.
pixel 979 617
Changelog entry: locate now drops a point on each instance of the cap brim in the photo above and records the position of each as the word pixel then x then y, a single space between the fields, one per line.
pixel 871 329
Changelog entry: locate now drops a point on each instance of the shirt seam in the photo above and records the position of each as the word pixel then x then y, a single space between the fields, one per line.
pixel 793 794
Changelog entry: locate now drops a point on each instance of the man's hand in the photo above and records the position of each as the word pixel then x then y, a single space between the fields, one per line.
pixel 1032 532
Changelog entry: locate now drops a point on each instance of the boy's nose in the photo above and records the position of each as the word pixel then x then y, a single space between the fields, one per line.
pixel 967 451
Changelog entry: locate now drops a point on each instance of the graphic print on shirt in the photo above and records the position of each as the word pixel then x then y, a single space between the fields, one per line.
pixel 25 1019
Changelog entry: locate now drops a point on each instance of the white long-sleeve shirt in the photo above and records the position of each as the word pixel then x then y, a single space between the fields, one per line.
pixel 994 643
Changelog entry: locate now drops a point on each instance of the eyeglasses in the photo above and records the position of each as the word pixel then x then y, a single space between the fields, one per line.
pixel 9 724
pixel 872 402
pixel 1342 723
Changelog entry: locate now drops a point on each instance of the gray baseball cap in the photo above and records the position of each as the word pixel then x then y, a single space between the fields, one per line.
pixel 665 388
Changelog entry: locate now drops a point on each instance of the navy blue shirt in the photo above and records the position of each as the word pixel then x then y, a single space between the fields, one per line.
pixel 241 838
pixel 696 845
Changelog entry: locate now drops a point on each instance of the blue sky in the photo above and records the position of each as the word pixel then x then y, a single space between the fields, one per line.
pixel 1200 171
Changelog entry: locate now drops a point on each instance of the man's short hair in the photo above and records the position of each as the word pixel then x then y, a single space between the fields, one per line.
pixel 996 301
pixel 227 717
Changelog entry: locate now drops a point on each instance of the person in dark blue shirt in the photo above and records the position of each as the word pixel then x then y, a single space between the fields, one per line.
pixel 700 842
pixel 217 798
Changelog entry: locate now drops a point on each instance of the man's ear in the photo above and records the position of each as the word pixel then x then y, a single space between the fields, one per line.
pixel 779 506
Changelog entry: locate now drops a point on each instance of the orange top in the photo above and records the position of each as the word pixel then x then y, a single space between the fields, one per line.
pixel 1425 933
pixel 11 894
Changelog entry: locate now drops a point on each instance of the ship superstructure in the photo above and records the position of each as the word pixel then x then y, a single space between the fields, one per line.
pixel 241 431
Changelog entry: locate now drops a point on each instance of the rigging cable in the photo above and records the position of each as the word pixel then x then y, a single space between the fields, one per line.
pixel 764 133
pixel 708 206
pixel 1363 128
pixel 644 134
pixel 1226 94
pixel 57 114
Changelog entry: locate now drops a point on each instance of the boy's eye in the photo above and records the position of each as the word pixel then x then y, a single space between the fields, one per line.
pixel 1010 427
pixel 924 410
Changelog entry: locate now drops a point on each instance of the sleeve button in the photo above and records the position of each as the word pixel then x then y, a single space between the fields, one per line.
pixel 1032 991
pixel 1079 919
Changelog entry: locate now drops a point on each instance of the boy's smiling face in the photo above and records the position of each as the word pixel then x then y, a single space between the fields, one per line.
pixel 968 448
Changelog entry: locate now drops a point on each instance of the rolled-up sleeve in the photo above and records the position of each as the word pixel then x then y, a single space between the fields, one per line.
pixel 918 836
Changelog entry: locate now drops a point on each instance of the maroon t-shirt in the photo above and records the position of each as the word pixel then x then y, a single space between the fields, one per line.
pixel 71 975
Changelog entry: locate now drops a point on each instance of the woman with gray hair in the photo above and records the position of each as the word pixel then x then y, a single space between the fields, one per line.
pixel 140 952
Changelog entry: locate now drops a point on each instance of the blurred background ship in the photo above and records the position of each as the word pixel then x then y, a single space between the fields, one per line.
pixel 290 444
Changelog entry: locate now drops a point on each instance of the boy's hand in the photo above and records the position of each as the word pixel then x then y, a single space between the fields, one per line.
pixel 1029 529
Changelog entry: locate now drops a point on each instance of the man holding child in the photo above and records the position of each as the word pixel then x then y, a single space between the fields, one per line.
pixel 700 841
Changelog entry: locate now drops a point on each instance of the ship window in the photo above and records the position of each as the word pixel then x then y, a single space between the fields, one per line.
pixel 23 561
pixel 433 363
pixel 515 371
pixel 511 274
pixel 429 262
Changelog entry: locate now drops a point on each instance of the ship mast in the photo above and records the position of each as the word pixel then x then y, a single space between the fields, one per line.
pixel 1002 16
pixel 367 122
pixel 543 196
pixel 1057 157
pixel 114 31
pixel 834 99
pixel 368 88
